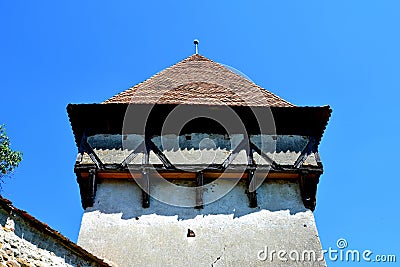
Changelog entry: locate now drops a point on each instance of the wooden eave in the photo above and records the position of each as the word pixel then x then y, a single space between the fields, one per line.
pixel 109 119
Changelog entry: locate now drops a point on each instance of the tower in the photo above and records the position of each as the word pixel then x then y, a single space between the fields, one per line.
pixel 199 166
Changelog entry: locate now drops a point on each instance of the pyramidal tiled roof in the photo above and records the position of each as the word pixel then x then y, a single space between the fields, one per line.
pixel 198 80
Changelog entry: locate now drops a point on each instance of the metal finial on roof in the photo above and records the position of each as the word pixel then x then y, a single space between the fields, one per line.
pixel 196 43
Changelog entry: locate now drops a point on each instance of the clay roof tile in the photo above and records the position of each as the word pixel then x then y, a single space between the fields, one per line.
pixel 199 80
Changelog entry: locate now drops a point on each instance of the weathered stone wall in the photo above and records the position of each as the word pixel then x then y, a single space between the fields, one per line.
pixel 16 251
pixel 23 245
pixel 224 233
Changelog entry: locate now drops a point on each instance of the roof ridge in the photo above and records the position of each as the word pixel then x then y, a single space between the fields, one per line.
pixel 187 59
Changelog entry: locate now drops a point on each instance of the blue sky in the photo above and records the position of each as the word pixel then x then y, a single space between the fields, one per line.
pixel 342 53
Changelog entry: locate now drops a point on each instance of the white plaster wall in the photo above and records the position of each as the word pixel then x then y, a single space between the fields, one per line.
pixel 227 232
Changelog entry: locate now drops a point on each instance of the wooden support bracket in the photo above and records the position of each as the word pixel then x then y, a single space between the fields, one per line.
pixel 251 185
pixel 274 165
pixel 86 147
pixel 233 155
pixel 310 147
pixel 251 190
pixel 199 190
pixel 131 156
pixel 167 164
pixel 308 189
pixel 88 187
pixel 145 183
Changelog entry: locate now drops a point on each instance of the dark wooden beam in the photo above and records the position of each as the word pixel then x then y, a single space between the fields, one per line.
pixel 310 147
pixel 183 170
pixel 251 190
pixel 145 183
pixel 260 174
pixel 132 155
pixel 168 165
pixel 308 189
pixel 88 187
pixel 199 190
pixel 233 155
pixel 145 186
pixel 251 181
pixel 274 165
pixel 85 147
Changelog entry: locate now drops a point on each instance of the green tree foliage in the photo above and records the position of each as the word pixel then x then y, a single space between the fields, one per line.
pixel 9 159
